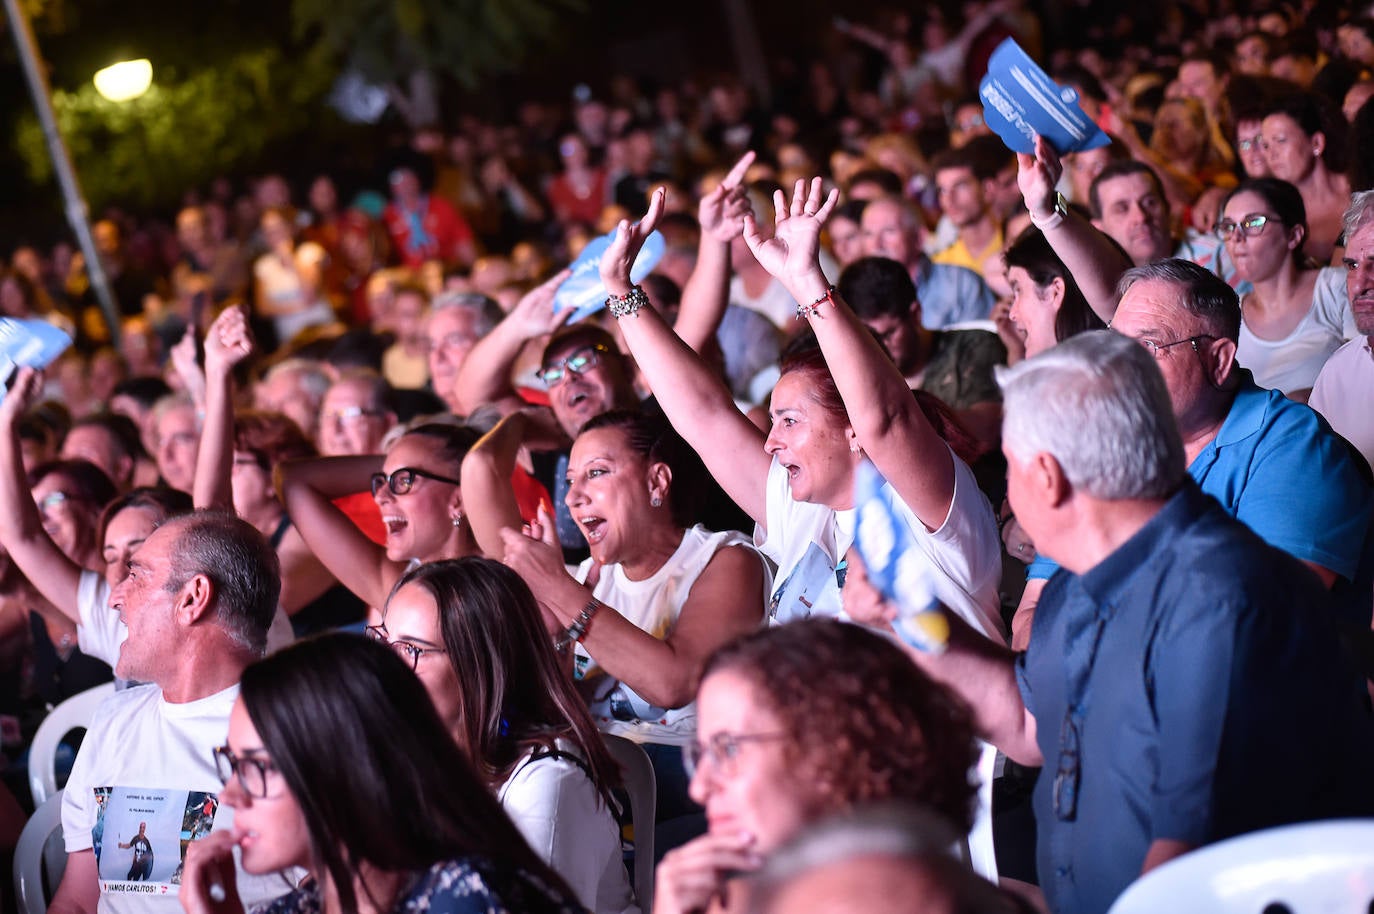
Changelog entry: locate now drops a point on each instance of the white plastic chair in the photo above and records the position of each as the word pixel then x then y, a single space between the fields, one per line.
pixel 1323 867
pixel 40 857
pixel 74 713
pixel 638 773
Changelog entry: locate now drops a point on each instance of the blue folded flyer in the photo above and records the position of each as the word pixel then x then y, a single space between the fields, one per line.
pixel 30 342
pixel 1020 101
pixel 583 290
pixel 896 565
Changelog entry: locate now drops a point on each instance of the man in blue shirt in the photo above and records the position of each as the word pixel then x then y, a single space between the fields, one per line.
pixel 1184 681
pixel 1272 463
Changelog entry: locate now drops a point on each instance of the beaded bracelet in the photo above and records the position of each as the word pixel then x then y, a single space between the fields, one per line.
pixel 625 305
pixel 813 309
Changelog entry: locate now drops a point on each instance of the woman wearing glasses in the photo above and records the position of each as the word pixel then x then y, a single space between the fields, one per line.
pixel 337 763
pixel 417 489
pixel 779 747
pixel 655 598
pixel 471 630
pixel 1294 316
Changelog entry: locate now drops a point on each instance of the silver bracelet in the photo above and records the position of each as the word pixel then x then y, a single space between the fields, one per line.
pixel 575 632
pixel 625 305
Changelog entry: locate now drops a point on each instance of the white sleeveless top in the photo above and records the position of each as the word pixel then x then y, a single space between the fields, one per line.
pixel 1294 362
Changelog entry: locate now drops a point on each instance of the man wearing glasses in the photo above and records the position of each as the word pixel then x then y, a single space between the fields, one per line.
pixel 1184 682
pixel 200 596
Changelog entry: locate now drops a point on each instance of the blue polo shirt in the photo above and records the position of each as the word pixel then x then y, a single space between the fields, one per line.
pixel 1183 689
pixel 1276 466
pixel 950 294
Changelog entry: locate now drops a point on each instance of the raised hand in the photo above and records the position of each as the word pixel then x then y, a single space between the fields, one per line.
pixel 534 313
pixel 183 356
pixel 229 341
pixel 23 392
pixel 721 212
pixel 1037 177
pixel 629 238
pixel 793 253
pixel 208 880
pixel 540 563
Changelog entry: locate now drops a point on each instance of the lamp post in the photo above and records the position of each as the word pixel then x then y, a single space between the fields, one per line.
pixel 77 212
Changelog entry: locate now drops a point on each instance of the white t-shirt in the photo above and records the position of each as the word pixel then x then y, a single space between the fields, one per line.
pixel 147 762
pixel 808 541
pixel 775 302
pixel 100 631
pixel 1294 362
pixel 282 287
pixel 652 605
pixel 560 813
pixel 1344 394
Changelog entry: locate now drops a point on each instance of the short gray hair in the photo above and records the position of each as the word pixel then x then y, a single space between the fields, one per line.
pixel 1360 213
pixel 313 379
pixel 242 567
pixel 915 836
pixel 486 312
pixel 1202 293
pixel 1097 404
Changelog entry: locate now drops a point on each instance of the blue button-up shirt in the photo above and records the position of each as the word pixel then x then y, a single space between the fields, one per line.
pixel 950 294
pixel 1188 687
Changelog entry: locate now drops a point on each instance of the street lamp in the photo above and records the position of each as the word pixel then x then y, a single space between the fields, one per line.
pixel 124 81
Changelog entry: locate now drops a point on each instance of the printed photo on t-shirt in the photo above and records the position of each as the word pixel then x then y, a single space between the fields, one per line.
pixel 141 834
pixel 800 592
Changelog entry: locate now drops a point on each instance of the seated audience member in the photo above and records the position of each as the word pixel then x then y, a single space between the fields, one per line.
pixel 415 486
pixel 1289 324
pixel 136 398
pixel 779 747
pixel 424 226
pixel 844 232
pixel 355 415
pixel 1047 307
pixel 176 424
pixel 1272 463
pixel 948 294
pixel 1184 155
pixel 457 320
pixel 1343 389
pixel 1304 140
pixel 881 859
pixel 833 407
pixel 1164 597
pixel 1128 205
pixel 656 595
pixel 289 278
pixel 295 388
pixel 966 180
pixel 472 631
pixel 108 440
pixel 406 361
pixel 207 584
pixel 954 365
pixel 407 825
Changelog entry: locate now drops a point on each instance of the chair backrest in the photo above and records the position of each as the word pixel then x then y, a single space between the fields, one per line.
pixel 638 773
pixel 76 712
pixel 40 857
pixel 1296 869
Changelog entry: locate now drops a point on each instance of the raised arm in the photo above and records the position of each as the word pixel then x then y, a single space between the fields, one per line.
pixel 21 528
pixel 707 293
pixel 307 488
pixel 485 373
pixel 487 492
pixel 694 398
pixel 1090 256
pixel 885 417
pixel 726 600
pixel 227 343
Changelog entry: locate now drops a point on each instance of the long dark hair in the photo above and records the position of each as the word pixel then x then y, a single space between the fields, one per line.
pixel 378 778
pixel 1032 253
pixel 514 695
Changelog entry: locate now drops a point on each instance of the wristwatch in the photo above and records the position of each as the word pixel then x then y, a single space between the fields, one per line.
pixel 1056 216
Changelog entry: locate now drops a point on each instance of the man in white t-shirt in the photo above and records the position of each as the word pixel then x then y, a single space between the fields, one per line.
pixel 200 596
pixel 1344 389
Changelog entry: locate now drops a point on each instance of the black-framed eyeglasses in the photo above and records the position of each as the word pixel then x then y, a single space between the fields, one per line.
pixel 1249 226
pixel 249 768
pixel 402 479
pixel 410 653
pixel 1156 348
pixel 579 361
pixel 722 749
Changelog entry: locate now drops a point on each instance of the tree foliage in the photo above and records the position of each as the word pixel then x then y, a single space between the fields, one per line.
pixel 391 41
pixel 183 131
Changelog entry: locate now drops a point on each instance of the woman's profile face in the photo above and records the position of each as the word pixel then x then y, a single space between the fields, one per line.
pixel 610 494
pixel 412 617
pixel 812 446
pixel 744 776
pixel 125 532
pixel 418 523
pixel 272 827
pixel 1033 310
